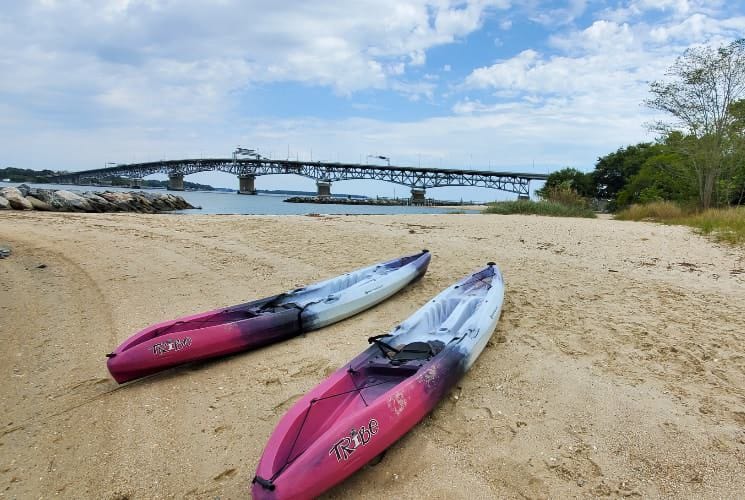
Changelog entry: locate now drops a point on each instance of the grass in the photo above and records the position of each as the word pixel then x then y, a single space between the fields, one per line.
pixel 543 207
pixel 656 211
pixel 724 224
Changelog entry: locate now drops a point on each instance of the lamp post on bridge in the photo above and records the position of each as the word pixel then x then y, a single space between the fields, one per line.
pixel 387 159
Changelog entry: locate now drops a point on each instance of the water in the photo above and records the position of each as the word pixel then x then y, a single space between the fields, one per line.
pixel 220 202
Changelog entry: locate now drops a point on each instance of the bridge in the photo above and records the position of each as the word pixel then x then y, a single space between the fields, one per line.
pixel 418 179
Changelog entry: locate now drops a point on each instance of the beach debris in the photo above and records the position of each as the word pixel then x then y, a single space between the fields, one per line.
pixel 4 252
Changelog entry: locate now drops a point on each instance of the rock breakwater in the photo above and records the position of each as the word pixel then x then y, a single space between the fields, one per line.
pixel 50 200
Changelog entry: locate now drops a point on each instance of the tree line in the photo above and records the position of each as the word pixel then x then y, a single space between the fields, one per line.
pixel 699 155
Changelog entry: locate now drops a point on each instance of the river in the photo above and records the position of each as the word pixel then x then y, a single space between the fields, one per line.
pixel 222 202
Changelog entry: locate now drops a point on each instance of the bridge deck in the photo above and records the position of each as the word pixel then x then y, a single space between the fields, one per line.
pixel 415 177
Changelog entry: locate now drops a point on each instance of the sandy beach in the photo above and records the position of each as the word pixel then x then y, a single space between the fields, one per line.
pixel 617 369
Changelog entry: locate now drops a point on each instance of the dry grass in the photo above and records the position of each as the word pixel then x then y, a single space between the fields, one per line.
pixel 725 224
pixel 661 211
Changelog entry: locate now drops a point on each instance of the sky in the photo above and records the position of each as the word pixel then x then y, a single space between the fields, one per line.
pixel 529 86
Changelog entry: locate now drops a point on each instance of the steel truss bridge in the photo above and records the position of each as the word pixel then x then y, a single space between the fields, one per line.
pixel 417 178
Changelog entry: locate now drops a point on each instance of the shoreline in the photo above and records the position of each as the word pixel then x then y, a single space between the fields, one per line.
pixel 616 368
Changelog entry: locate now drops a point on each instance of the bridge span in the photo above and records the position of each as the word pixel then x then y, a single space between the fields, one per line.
pixel 418 179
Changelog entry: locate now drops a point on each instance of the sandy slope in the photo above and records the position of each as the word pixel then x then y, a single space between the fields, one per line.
pixel 618 367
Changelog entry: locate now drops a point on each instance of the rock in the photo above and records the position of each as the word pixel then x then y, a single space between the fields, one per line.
pixel 99 203
pixel 16 199
pixel 108 201
pixel 119 200
pixel 74 201
pixel 38 204
pixel 45 195
pixel 49 197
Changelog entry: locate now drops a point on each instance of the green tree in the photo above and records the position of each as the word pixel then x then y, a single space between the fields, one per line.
pixel 736 162
pixel 570 178
pixel 703 85
pixel 613 171
pixel 664 176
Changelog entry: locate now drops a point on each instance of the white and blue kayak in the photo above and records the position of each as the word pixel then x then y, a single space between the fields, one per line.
pixel 370 402
pixel 260 322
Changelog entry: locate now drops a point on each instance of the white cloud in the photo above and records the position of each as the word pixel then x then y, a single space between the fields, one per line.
pixel 545 13
pixel 699 28
pixel 184 59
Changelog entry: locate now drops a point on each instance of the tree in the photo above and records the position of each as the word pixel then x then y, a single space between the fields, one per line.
pixel 614 170
pixel 570 178
pixel 737 158
pixel 704 84
pixel 664 176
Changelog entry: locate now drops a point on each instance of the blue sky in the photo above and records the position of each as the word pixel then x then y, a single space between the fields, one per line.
pixel 502 85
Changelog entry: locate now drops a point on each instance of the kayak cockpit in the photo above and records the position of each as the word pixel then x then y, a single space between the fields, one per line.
pixel 364 381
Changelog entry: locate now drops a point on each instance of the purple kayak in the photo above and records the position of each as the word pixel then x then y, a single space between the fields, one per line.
pixel 254 324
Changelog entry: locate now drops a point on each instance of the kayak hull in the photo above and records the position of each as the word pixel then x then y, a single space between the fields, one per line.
pixel 254 324
pixel 370 403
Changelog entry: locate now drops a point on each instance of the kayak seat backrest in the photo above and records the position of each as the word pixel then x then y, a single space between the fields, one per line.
pixel 389 370
pixel 413 352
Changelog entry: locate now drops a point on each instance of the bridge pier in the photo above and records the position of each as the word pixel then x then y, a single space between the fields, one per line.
pixel 417 196
pixel 246 184
pixel 175 182
pixel 324 188
pixel 135 183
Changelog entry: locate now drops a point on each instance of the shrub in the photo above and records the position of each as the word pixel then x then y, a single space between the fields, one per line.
pixel 564 195
pixel 548 208
pixel 657 210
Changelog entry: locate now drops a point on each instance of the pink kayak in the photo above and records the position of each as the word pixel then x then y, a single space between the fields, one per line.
pixel 363 408
pixel 254 324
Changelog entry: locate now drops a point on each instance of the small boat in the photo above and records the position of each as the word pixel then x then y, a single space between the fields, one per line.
pixel 261 322
pixel 363 408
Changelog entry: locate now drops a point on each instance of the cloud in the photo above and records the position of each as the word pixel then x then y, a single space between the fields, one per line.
pixel 545 13
pixel 317 42
pixel 604 68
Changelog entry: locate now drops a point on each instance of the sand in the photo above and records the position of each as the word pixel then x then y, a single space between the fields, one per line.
pixel 618 367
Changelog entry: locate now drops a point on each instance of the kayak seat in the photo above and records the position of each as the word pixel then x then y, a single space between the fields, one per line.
pixel 413 352
pixel 387 369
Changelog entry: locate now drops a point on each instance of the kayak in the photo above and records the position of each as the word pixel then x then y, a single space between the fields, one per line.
pixel 364 407
pixel 261 322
